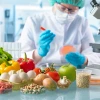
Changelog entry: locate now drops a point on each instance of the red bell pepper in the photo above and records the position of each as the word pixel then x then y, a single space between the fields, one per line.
pixel 26 64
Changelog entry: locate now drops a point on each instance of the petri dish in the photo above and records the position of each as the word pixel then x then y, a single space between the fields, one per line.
pixel 66 49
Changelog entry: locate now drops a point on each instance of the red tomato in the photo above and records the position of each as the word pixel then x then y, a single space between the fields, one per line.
pixel 54 75
pixel 37 70
pixel 47 69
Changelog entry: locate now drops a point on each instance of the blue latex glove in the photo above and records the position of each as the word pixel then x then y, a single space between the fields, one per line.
pixel 75 59
pixel 44 41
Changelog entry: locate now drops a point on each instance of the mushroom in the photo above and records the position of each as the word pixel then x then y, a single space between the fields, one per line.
pixel 64 83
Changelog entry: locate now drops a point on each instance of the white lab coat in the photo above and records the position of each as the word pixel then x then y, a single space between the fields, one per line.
pixel 76 33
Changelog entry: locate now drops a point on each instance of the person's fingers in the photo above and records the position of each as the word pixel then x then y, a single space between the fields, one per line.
pixel 70 59
pixel 45 33
pixel 48 42
pixel 69 55
pixel 73 55
pixel 49 38
pixel 45 36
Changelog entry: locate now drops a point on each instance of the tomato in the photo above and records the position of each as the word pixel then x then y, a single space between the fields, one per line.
pixel 47 69
pixel 37 70
pixel 54 75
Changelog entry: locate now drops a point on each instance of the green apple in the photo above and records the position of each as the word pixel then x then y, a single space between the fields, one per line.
pixel 69 71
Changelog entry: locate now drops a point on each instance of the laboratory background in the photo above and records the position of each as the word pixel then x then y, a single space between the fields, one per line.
pixel 13 14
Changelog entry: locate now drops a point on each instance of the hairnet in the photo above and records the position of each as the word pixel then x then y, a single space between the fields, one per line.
pixel 78 3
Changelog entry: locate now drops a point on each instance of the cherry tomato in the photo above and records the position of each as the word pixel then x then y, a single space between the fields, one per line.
pixel 54 75
pixel 37 70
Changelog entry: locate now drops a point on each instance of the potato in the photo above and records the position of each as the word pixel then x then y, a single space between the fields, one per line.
pixel 39 79
pixel 50 84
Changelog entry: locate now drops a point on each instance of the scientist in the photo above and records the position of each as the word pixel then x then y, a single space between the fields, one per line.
pixel 63 27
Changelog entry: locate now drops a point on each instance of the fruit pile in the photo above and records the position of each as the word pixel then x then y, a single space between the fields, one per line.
pixel 37 80
pixel 50 78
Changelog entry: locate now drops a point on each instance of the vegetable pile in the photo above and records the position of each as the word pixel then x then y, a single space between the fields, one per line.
pixel 4 55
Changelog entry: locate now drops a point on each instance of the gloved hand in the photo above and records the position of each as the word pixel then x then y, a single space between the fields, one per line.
pixel 44 41
pixel 75 58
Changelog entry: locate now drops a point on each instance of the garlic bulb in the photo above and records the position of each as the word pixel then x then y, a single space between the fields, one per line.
pixel 31 74
pixel 12 72
pixel 23 76
pixel 4 76
pixel 19 71
pixel 14 78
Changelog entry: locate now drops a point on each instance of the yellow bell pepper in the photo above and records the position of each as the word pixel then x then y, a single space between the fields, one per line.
pixel 8 68
pixel 10 65
pixel 2 68
pixel 15 65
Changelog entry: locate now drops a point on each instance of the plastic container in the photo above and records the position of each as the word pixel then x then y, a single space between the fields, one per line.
pixel 14 48
pixel 83 77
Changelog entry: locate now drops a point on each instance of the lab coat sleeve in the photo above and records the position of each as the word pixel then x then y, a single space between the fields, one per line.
pixel 93 58
pixel 26 39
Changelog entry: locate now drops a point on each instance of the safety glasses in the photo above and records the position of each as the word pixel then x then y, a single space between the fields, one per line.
pixel 65 9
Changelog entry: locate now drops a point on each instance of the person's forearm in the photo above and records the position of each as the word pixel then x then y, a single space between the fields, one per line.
pixel 36 57
pixel 86 62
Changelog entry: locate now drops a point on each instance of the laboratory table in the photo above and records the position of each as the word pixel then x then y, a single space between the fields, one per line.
pixel 72 93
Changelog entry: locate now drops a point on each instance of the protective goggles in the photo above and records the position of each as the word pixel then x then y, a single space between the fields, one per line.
pixel 65 9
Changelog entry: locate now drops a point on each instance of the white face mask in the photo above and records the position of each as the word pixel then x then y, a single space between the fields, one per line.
pixel 63 18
